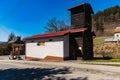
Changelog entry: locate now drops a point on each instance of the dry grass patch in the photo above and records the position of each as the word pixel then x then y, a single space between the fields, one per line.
pixel 109 50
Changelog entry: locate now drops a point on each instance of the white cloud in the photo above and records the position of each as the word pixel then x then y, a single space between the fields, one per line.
pixel 4 33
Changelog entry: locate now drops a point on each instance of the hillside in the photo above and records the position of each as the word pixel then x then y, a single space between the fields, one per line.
pixel 2 43
pixel 106 21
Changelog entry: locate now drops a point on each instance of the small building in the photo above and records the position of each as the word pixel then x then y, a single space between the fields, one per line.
pixel 116 37
pixel 57 45
pixel 17 46
pixel 117 32
pixel 71 44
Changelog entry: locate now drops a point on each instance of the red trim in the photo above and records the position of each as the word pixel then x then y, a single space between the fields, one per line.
pixel 53 34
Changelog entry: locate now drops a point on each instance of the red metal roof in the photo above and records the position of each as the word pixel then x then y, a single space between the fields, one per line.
pixel 117 30
pixel 53 34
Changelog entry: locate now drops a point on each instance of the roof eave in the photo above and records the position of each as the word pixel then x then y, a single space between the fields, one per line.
pixel 61 33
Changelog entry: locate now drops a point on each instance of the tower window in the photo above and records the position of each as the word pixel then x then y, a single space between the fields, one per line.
pixel 117 35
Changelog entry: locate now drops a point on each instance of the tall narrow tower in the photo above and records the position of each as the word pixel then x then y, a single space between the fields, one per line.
pixel 81 16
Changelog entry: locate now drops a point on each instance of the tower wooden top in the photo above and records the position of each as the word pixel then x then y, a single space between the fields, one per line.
pixel 81 8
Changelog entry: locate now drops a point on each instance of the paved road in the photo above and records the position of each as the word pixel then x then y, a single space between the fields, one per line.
pixel 14 71
pixel 4 66
pixel 26 70
pixel 7 71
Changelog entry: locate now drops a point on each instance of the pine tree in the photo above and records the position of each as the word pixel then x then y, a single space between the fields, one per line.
pixel 11 36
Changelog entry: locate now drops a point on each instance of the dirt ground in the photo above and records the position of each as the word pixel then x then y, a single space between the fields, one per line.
pixel 35 70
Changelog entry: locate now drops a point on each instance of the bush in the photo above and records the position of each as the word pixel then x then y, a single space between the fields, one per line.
pixel 109 50
pixel 5 50
pixel 107 55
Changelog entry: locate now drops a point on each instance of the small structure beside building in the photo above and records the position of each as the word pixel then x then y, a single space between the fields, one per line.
pixel 17 48
pixel 116 37
pixel 117 33
pixel 63 45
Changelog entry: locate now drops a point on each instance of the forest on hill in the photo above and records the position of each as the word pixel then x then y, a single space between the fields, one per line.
pixel 104 22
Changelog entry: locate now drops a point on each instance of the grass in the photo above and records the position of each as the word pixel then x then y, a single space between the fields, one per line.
pixel 112 64
pixel 118 65
pixel 100 40
pixel 97 61
pixel 103 60
pixel 100 49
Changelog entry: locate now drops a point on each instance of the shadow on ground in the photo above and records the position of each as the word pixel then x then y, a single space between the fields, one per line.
pixel 36 74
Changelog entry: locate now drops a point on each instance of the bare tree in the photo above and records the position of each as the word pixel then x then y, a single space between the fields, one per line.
pixel 54 25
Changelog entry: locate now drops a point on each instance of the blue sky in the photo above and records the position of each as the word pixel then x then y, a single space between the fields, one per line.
pixel 29 17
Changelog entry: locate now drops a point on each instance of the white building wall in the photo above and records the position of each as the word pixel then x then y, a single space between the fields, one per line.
pixel 51 48
pixel 117 35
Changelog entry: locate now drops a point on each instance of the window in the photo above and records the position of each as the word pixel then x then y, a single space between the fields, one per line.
pixel 50 39
pixel 117 35
pixel 42 43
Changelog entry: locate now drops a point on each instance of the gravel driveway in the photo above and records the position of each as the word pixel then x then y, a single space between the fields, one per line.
pixel 35 70
pixel 6 57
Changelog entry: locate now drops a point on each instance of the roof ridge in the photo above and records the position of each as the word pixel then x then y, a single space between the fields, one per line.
pixel 53 34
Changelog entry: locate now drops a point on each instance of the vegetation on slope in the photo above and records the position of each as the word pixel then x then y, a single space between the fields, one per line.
pixel 105 21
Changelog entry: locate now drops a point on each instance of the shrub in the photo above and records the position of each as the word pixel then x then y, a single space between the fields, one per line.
pixel 109 50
